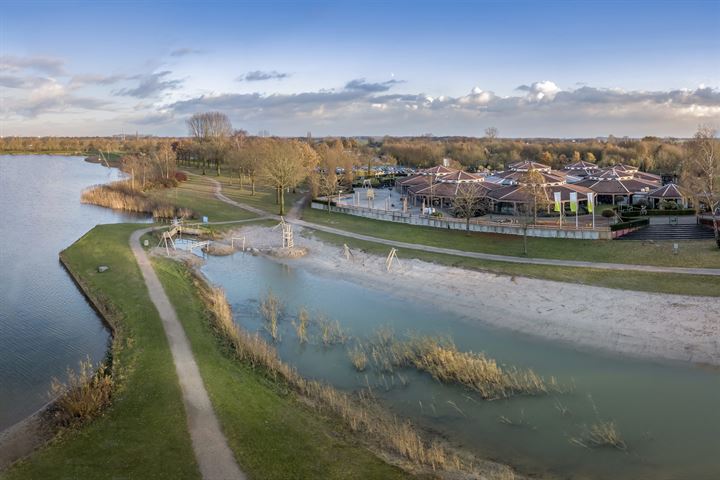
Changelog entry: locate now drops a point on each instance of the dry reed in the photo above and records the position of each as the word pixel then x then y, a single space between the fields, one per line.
pixel 601 434
pixel 83 395
pixel 120 195
pixel 358 357
pixel 270 308
pixel 440 358
pixel 331 333
pixel 301 326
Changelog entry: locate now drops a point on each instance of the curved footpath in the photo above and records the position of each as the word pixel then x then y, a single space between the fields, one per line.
pixel 212 452
pixel 463 253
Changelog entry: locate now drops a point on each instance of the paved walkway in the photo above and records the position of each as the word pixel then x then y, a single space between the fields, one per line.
pixel 214 457
pixel 478 255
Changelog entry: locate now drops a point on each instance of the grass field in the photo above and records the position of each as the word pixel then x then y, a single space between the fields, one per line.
pixel 198 194
pixel 691 253
pixel 144 433
pixel 264 197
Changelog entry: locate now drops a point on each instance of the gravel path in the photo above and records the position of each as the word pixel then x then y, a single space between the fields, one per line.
pixel 481 256
pixel 214 457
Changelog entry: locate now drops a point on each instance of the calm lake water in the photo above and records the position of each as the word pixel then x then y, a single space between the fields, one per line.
pixel 667 413
pixel 46 325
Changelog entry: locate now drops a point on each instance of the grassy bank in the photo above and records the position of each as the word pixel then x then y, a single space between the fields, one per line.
pixel 639 281
pixel 702 253
pixel 272 432
pixel 143 434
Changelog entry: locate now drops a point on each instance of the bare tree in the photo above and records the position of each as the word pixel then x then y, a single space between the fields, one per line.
pixel 285 164
pixel 491 133
pixel 211 130
pixel 533 187
pixel 701 172
pixel 469 202
pixel 328 185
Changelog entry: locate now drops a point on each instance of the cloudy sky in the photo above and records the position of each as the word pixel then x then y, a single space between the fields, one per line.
pixel 553 68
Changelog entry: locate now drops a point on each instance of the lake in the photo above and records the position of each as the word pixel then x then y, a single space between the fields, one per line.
pixel 46 325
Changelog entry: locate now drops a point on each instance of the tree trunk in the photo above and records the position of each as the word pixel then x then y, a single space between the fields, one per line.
pixel 277 195
pixel 525 251
pixel 467 224
pixel 716 229
pixel 252 185
pixel 217 167
pixel 282 201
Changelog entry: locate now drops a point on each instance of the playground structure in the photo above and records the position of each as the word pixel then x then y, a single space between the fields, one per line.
pixel 177 229
pixel 287 233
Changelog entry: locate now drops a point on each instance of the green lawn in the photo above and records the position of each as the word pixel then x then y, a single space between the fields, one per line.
pixel 691 253
pixel 273 434
pixel 640 281
pixel 144 433
pixel 263 199
pixel 198 194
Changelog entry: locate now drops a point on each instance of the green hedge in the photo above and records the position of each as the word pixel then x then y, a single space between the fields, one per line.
pixel 633 223
pixel 654 212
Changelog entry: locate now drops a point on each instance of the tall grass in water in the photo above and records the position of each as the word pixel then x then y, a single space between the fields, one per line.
pixel 83 395
pixel 395 437
pixel 358 357
pixel 440 358
pixel 270 308
pixel 331 333
pixel 120 195
pixel 301 326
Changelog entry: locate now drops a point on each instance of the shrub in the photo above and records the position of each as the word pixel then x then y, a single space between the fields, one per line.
pixel 608 213
pixel 84 394
pixel 181 176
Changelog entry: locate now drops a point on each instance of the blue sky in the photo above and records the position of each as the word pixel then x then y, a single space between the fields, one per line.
pixel 557 68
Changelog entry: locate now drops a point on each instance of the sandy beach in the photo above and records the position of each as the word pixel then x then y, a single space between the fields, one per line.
pixel 649 325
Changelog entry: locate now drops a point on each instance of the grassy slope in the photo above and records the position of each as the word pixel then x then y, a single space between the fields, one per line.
pixel 640 281
pixel 272 434
pixel 144 433
pixel 263 199
pixel 198 194
pixel 692 253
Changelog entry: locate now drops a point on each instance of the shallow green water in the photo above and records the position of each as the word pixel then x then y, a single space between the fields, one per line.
pixel 667 413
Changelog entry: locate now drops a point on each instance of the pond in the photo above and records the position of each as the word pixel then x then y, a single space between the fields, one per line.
pixel 46 325
pixel 666 413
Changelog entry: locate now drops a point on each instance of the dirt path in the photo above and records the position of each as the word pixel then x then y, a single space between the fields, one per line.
pixel 214 457
pixel 481 256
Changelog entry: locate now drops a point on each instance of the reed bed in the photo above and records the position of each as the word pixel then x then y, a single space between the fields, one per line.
pixel 120 195
pixel 331 333
pixel 602 434
pixel 360 412
pixel 358 357
pixel 440 358
pixel 270 309
pixel 84 394
pixel 301 326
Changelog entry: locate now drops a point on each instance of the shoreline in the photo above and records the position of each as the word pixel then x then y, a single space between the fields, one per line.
pixel 650 326
pixel 23 437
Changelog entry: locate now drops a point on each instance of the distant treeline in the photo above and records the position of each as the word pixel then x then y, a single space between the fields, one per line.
pixel 649 154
